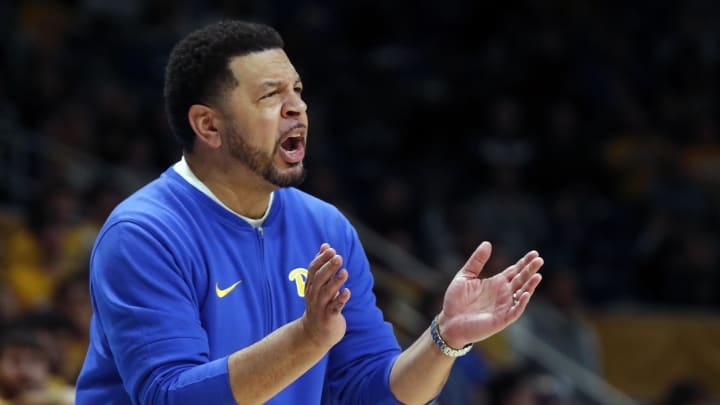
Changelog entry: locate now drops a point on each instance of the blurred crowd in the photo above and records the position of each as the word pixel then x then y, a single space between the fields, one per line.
pixel 585 129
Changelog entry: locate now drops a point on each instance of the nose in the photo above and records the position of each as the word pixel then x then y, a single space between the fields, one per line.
pixel 294 106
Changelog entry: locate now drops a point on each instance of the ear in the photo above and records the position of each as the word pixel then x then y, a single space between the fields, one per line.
pixel 204 121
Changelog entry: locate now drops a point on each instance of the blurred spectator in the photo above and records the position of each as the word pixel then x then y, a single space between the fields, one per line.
pixel 25 377
pixel 72 303
pixel 556 317
pixel 511 387
pixel 54 332
pixel 505 145
pixel 504 212
pixel 9 307
pixel 98 201
pixel 523 386
pixel 550 390
pixel 45 252
pixel 396 211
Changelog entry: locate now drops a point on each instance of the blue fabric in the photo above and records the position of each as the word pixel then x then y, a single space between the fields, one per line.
pixel 160 333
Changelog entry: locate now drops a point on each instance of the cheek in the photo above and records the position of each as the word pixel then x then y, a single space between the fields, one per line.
pixel 267 129
pixel 6 371
pixel 38 371
pixel 259 127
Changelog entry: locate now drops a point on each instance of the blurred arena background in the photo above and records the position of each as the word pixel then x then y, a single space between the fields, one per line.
pixel 585 129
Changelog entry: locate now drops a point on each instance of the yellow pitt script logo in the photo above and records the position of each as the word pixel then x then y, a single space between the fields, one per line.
pixel 225 291
pixel 299 276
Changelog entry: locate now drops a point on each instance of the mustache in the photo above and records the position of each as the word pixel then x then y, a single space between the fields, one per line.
pixel 298 125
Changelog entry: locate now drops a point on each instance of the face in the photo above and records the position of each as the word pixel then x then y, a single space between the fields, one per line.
pixel 22 369
pixel 265 125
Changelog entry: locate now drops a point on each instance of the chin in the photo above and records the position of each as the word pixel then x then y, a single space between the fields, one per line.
pixel 291 177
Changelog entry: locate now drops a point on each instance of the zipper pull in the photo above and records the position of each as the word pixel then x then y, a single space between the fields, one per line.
pixel 261 231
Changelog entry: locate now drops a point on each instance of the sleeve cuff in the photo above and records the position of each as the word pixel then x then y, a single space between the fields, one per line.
pixel 209 384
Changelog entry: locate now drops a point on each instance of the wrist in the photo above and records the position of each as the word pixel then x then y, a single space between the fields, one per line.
pixel 447 333
pixel 307 335
pixel 446 347
pixel 323 337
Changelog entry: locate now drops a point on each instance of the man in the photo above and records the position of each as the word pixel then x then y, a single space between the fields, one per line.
pixel 25 375
pixel 199 282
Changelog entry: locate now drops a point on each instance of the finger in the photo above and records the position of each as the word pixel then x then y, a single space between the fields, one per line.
pixel 511 271
pixel 476 262
pixel 524 297
pixel 339 302
pixel 320 259
pixel 327 271
pixel 530 286
pixel 329 291
pixel 529 290
pixel 323 247
pixel 325 254
pixel 523 276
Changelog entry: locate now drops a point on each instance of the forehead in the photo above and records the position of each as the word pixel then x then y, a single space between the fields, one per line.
pixel 20 351
pixel 256 68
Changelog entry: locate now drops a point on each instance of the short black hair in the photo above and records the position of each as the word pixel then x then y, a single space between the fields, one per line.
pixel 23 338
pixel 198 70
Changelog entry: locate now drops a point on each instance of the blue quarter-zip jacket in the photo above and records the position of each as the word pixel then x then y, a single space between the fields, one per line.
pixel 178 283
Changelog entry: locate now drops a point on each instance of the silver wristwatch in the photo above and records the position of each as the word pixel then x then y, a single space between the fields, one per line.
pixel 440 342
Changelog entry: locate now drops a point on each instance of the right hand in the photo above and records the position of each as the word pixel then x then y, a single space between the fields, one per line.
pixel 323 320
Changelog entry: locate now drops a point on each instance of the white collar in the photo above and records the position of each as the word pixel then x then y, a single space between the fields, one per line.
pixel 184 171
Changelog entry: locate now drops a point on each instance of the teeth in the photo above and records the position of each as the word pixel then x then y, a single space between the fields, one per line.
pixel 294 136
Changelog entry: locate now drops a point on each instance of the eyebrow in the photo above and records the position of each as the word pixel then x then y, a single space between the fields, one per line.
pixel 271 84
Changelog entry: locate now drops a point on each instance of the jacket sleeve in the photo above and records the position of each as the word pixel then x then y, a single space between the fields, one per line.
pixel 359 366
pixel 149 311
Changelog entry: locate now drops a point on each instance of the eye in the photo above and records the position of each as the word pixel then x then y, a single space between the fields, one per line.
pixel 298 90
pixel 270 94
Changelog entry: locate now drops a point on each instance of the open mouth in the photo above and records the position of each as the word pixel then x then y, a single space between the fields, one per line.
pixel 292 143
pixel 292 149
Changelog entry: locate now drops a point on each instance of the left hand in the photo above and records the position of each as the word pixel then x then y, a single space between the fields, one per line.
pixel 475 309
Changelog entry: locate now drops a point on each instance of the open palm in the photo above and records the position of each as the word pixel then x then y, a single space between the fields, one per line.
pixel 475 309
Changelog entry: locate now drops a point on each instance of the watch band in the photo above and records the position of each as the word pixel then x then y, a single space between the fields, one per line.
pixel 440 342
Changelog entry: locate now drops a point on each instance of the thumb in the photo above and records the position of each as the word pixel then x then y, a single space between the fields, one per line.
pixel 476 262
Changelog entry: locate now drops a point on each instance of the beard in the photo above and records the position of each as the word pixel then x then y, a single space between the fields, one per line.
pixel 260 162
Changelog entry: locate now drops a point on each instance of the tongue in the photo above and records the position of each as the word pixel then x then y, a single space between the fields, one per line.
pixel 294 155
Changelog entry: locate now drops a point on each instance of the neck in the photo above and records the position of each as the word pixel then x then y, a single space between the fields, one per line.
pixel 240 189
